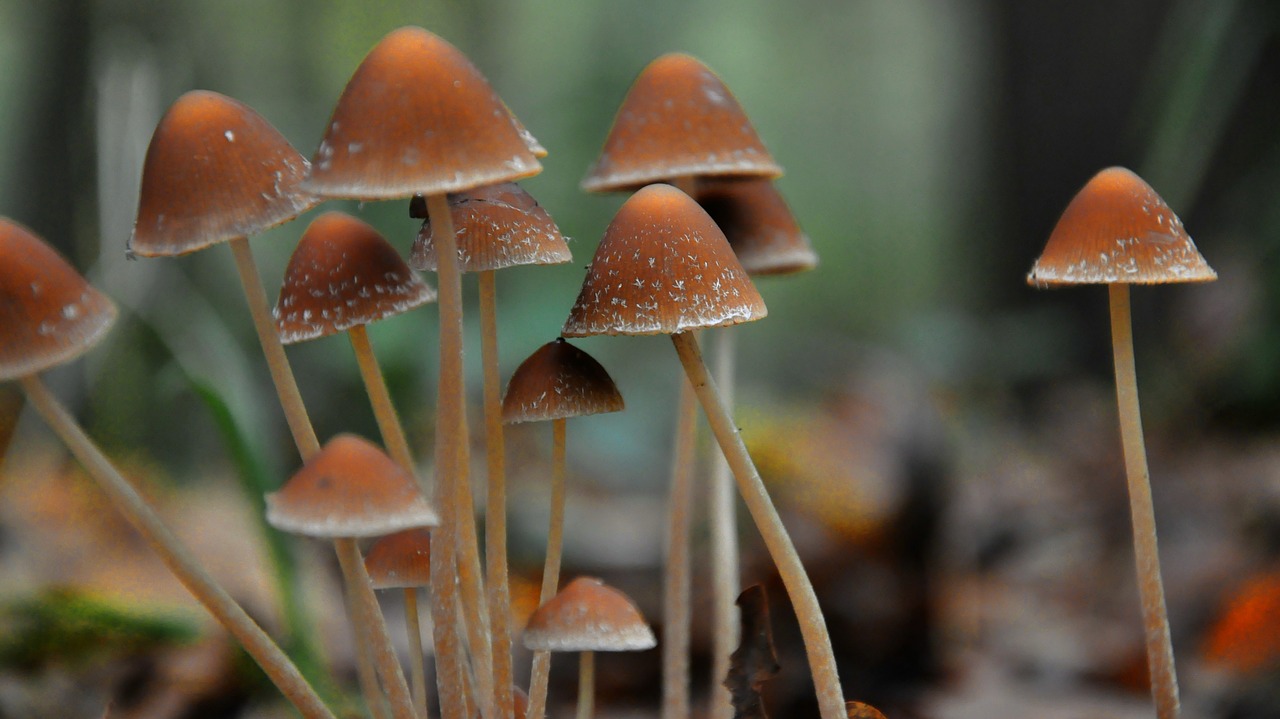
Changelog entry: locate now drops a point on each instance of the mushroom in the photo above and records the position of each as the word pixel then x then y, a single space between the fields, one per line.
pixel 556 382
pixel 496 226
pixel 1117 231
pixel 664 267
pixel 403 561
pixel 588 616
pixel 417 117
pixel 49 316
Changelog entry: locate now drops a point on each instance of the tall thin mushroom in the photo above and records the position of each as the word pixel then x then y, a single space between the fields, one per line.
pixel 664 267
pixel 1117 231
pixel 49 316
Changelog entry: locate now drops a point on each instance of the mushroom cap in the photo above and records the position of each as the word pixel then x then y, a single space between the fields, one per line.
pixel 559 381
pixel 350 488
pixel 401 560
pixel 759 226
pixel 588 616
pixel 49 314
pixel 1118 230
pixel 496 226
pixel 678 120
pixel 344 273
pixel 215 170
pixel 417 117
pixel 663 267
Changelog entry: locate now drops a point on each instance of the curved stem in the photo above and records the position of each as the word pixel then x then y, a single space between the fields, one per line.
pixel 384 411
pixel 813 627
pixel 369 615
pixel 586 685
pixel 551 571
pixel 1155 621
pixel 675 596
pixel 416 662
pixel 725 580
pixel 184 566
pixel 496 507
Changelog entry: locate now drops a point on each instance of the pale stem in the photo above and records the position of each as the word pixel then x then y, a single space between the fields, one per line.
pixel 384 411
pixel 586 684
pixel 1155 620
pixel 675 595
pixel 366 675
pixel 417 663
pixel 179 560
pixel 496 509
pixel 450 459
pixel 813 627
pixel 369 614
pixel 551 570
pixel 474 605
pixel 725 580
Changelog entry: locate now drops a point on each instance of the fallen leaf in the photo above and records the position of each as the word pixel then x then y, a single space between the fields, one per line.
pixel 754 662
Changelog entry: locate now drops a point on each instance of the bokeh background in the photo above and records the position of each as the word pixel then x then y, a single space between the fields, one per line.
pixel 938 433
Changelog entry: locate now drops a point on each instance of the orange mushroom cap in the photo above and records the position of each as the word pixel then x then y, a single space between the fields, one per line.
pixel 759 226
pixel 417 117
pixel 496 226
pixel 1118 230
pixel 663 267
pixel 343 273
pixel 588 616
pixel 559 381
pixel 1246 636
pixel 350 488
pixel 49 314
pixel 677 120
pixel 215 170
pixel 401 560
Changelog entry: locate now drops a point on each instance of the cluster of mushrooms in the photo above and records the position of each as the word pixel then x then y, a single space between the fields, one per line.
pixel 418 122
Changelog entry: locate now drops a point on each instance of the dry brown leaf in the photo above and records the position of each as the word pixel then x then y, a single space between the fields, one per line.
pixel 754 662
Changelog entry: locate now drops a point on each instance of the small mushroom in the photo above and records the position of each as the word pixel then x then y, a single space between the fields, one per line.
pixel 403 561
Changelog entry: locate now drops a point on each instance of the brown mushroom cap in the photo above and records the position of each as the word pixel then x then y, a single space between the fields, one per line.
pixel 677 120
pixel 559 381
pixel 344 273
pixel 663 267
pixel 417 117
pixel 400 560
pixel 1118 230
pixel 588 616
pixel 49 314
pixel 496 226
pixel 349 489
pixel 215 170
pixel 759 226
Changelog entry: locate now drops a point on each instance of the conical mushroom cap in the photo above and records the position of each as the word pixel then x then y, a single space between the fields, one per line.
pixel 400 560
pixel 559 381
pixel 417 117
pixel 759 226
pixel 350 488
pixel 343 273
pixel 1118 230
pixel 588 616
pixel 663 267
pixel 678 120
pixel 215 171
pixel 49 314
pixel 496 226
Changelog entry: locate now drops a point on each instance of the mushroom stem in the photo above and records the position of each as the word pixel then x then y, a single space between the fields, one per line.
pixel 675 596
pixel 813 627
pixel 496 510
pixel 551 570
pixel 366 675
pixel 586 684
pixel 451 459
pixel 475 610
pixel 1164 680
pixel 725 579
pixel 295 412
pixel 416 662
pixel 384 411
pixel 179 560
pixel 369 615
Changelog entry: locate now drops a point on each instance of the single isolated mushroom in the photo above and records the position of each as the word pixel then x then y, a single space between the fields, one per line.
pixel 403 561
pixel 664 267
pixel 50 315
pixel 587 617
pixel 1117 232
pixel 417 117
pixel 556 382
